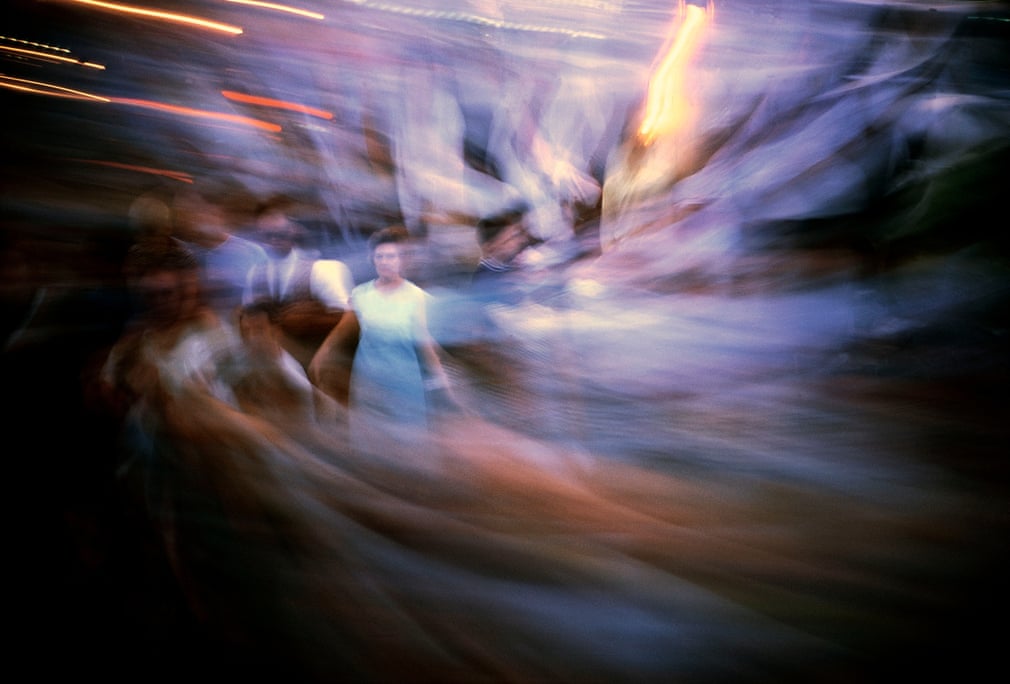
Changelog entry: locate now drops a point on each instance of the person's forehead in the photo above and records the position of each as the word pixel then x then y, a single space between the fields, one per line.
pixel 276 222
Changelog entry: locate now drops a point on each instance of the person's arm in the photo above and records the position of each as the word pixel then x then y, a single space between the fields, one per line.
pixel 317 316
pixel 436 379
pixel 330 367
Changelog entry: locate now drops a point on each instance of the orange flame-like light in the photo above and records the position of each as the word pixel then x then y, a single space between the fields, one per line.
pixel 665 108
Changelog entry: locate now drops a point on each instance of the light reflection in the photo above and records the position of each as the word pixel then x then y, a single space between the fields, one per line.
pixel 281 8
pixel 41 88
pixel 162 15
pixel 199 113
pixel 277 104
pixel 666 103
pixel 46 56
pixel 168 173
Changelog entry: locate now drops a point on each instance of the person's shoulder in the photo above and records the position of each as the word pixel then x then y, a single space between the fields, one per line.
pixel 416 293
pixel 413 288
pixel 329 265
pixel 363 288
pixel 237 243
pixel 305 255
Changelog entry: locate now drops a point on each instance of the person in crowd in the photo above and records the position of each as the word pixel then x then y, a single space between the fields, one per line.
pixel 194 458
pixel 396 362
pixel 173 333
pixel 312 293
pixel 166 350
pixel 204 224
pixel 486 358
pixel 503 238
pixel 262 379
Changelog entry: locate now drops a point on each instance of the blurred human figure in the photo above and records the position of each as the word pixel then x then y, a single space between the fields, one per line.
pixel 204 225
pixel 484 352
pixel 172 331
pixel 503 237
pixel 396 359
pixel 264 379
pixel 166 350
pixel 312 292
pixel 187 444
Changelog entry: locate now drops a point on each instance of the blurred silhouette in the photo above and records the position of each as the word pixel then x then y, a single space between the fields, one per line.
pixel 263 379
pixel 206 226
pixel 486 357
pixel 502 237
pixel 171 340
pixel 312 292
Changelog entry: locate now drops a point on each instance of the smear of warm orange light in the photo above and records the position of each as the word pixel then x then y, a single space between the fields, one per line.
pixel 665 106
pixel 277 104
pixel 165 16
pixel 51 89
pixel 280 8
pixel 175 175
pixel 49 56
pixel 41 88
pixel 199 113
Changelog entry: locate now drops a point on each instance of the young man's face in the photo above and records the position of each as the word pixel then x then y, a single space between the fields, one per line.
pixel 277 234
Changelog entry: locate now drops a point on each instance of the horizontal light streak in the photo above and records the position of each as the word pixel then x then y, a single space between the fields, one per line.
pixel 49 56
pixel 41 88
pixel 175 175
pixel 478 19
pixel 165 16
pixel 199 113
pixel 51 89
pixel 280 8
pixel 277 104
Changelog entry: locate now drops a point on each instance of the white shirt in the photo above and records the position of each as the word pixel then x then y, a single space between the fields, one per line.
pixel 330 280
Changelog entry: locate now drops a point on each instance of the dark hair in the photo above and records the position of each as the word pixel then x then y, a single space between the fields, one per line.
pixel 489 226
pixel 396 234
pixel 158 255
pixel 262 305
pixel 278 202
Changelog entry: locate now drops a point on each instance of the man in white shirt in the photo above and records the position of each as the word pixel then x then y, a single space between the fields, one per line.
pixel 312 293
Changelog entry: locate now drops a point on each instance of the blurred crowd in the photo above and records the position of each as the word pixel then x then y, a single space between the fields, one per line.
pixel 573 342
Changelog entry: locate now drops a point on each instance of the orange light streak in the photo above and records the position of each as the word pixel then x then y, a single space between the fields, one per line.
pixel 175 175
pixel 280 8
pixel 278 104
pixel 40 88
pixel 50 56
pixel 166 16
pixel 664 109
pixel 200 113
